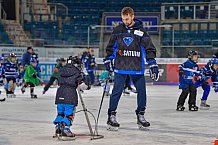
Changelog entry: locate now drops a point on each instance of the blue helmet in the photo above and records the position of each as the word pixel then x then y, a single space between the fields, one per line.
pixel 214 60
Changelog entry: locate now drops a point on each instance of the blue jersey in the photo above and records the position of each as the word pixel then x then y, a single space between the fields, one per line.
pixel 10 69
pixel 188 70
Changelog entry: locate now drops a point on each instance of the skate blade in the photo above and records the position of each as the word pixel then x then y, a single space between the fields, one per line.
pixel 143 128
pixel 111 128
pixel 64 138
pixel 204 108
pixel 56 135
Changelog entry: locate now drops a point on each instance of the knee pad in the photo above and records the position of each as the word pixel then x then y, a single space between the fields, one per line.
pixel 206 87
pixel 11 85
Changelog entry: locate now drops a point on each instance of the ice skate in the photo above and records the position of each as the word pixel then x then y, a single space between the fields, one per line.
pixel 133 90
pixel 204 105
pixel 126 92
pixel 11 96
pixel 107 93
pixel 112 123
pixel 43 92
pixel 193 108
pixel 23 90
pixel 66 134
pixel 142 123
pixel 33 96
pixel 180 108
pixel 57 130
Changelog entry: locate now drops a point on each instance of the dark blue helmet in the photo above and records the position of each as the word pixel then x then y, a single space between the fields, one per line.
pixel 192 53
pixel 214 60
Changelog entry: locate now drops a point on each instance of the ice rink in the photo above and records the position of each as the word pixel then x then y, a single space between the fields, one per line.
pixel 26 121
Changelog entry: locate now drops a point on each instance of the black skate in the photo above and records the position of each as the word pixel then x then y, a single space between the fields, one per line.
pixel 112 123
pixel 33 96
pixel 2 100
pixel 66 134
pixel 43 92
pixel 107 93
pixel 180 108
pixel 133 90
pixel 57 130
pixel 204 105
pixel 11 96
pixel 193 108
pixel 126 92
pixel 23 90
pixel 142 123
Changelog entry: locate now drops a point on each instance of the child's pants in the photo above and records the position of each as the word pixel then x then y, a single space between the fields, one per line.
pixel 65 114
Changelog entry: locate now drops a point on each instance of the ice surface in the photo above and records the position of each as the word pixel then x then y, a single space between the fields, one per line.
pixel 26 121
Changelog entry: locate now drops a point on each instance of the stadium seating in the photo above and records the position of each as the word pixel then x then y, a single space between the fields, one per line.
pixel 4 39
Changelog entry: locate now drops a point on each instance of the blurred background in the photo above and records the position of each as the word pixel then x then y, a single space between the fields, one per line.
pixel 175 26
pixel 59 28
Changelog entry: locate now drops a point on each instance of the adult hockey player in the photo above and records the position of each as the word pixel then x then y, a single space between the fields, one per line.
pixel 26 57
pixel 210 70
pixel 30 78
pixel 129 44
pixel 188 71
pixel 66 97
pixel 10 73
pixel 55 74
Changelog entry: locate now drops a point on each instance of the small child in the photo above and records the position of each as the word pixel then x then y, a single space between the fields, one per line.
pixel 30 78
pixel 69 79
pixel 55 74
pixel 210 70
pixel 10 73
pixel 102 79
pixel 187 73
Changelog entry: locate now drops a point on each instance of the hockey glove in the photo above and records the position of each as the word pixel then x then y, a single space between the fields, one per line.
pixel 108 64
pixel 153 70
pixel 34 76
pixel 215 86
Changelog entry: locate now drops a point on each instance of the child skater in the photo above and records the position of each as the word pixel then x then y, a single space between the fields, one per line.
pixel 69 80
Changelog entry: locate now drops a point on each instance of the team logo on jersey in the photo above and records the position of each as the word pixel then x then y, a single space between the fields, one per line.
pixel 130 53
pixel 128 40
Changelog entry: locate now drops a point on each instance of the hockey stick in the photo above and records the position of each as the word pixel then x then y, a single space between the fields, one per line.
pixel 92 134
pixel 102 98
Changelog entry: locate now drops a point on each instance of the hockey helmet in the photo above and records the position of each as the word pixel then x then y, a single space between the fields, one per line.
pixel 12 55
pixel 214 60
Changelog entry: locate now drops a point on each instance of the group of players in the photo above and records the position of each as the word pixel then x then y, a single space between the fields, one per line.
pixel 191 77
pixel 24 73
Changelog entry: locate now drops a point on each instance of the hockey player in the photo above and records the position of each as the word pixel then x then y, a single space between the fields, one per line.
pixel 128 46
pixel 55 74
pixel 1 77
pixel 188 71
pixel 66 97
pixel 30 78
pixel 21 73
pixel 26 57
pixel 38 70
pixel 91 67
pixel 210 70
pixel 10 73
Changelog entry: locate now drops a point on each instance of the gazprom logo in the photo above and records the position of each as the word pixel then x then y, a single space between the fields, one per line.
pixel 128 40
